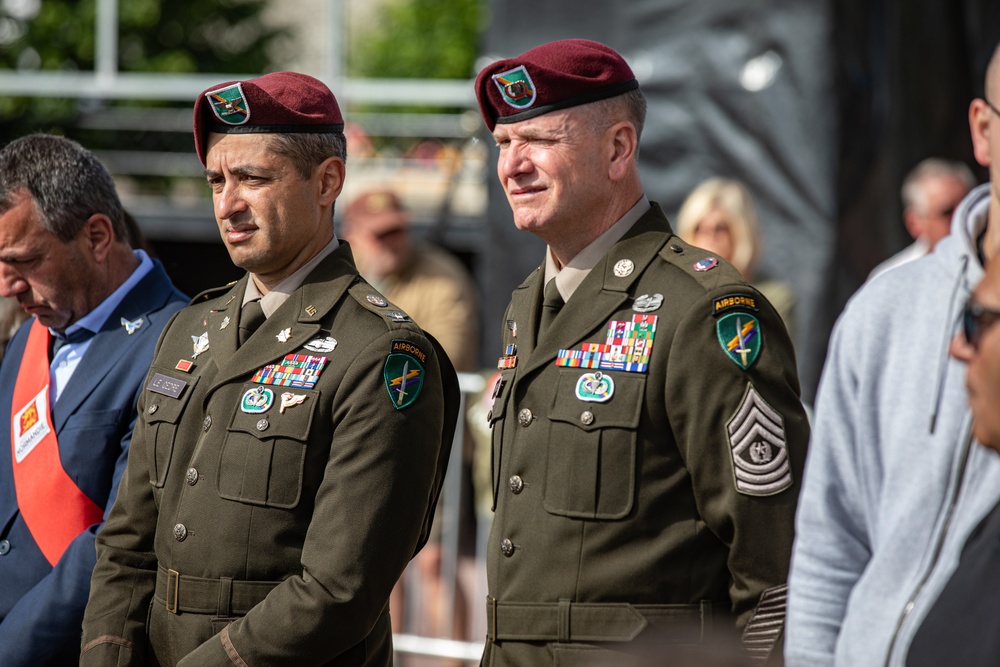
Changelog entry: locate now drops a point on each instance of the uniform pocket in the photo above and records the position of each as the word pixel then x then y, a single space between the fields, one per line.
pixel 263 456
pixel 590 471
pixel 162 414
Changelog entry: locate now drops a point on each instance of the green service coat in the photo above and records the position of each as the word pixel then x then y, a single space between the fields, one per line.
pixel 287 527
pixel 675 485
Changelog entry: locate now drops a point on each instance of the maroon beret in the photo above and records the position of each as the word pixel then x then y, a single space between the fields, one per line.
pixel 557 75
pixel 278 102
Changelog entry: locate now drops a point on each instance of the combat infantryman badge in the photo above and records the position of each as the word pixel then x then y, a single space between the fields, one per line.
pixel 758 446
pixel 326 344
pixel 647 303
pixel 229 104
pixel 739 336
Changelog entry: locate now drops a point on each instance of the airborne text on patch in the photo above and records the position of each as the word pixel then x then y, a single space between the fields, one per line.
pixel 409 348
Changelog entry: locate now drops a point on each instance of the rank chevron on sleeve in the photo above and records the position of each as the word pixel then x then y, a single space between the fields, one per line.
pixel 627 347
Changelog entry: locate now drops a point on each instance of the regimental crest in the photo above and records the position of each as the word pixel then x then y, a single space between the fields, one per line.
pixel 516 87
pixel 758 446
pixel 739 336
pixel 229 104
pixel 404 378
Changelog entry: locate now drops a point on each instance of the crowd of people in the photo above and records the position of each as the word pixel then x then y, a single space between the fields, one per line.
pixel 244 477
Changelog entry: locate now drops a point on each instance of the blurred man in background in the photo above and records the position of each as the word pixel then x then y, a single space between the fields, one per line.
pixel 931 192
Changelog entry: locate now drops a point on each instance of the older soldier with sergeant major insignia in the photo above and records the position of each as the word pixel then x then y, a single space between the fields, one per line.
pixel 293 428
pixel 648 438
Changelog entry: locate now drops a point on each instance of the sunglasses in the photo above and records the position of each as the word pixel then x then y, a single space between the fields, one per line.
pixel 976 319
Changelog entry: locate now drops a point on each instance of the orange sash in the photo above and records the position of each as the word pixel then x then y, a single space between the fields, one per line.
pixel 53 506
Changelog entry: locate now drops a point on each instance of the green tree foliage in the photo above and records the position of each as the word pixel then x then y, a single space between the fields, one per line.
pixel 179 36
pixel 422 39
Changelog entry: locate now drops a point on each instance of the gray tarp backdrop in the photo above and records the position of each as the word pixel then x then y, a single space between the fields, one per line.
pixel 819 107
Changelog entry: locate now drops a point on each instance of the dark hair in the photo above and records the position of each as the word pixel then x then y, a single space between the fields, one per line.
pixel 66 181
pixel 307 150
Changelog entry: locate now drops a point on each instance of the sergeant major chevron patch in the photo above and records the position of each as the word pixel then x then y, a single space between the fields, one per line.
pixel 758 446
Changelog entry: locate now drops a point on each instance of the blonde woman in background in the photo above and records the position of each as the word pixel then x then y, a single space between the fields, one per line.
pixel 719 216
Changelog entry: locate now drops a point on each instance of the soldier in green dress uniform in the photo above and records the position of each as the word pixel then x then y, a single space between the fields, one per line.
pixel 648 437
pixel 292 426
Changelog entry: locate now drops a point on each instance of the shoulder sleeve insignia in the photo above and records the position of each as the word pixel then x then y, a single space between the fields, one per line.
pixel 758 447
pixel 404 372
pixel 740 338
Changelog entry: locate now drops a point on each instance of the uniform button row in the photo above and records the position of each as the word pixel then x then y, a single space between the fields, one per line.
pixel 524 417
pixel 180 532
pixel 192 476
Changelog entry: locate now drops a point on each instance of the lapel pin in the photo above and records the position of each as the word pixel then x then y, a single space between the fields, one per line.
pixel 311 310
pixel 131 327
pixel 225 323
pixel 624 268
pixel 284 335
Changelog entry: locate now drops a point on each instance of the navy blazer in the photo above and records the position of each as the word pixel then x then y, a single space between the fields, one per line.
pixel 41 607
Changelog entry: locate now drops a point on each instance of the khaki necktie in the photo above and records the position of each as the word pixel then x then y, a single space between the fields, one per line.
pixel 552 301
pixel 251 317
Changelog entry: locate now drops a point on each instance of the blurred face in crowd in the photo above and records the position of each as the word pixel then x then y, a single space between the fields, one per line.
pixel 932 220
pixel 51 279
pixel 271 219
pixel 554 170
pixel 381 244
pixel 715 234
pixel 979 346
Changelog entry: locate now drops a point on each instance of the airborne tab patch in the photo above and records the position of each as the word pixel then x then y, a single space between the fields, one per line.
pixel 758 447
pixel 732 302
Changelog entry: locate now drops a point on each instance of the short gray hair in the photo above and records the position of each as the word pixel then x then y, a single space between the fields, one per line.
pixel 66 181
pixel 912 192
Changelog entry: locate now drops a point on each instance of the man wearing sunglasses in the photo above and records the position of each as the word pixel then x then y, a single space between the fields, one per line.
pixel 893 485
pixel 962 627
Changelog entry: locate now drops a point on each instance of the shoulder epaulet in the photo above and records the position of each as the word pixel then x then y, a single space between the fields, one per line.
pixel 705 267
pixel 212 293
pixel 371 299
